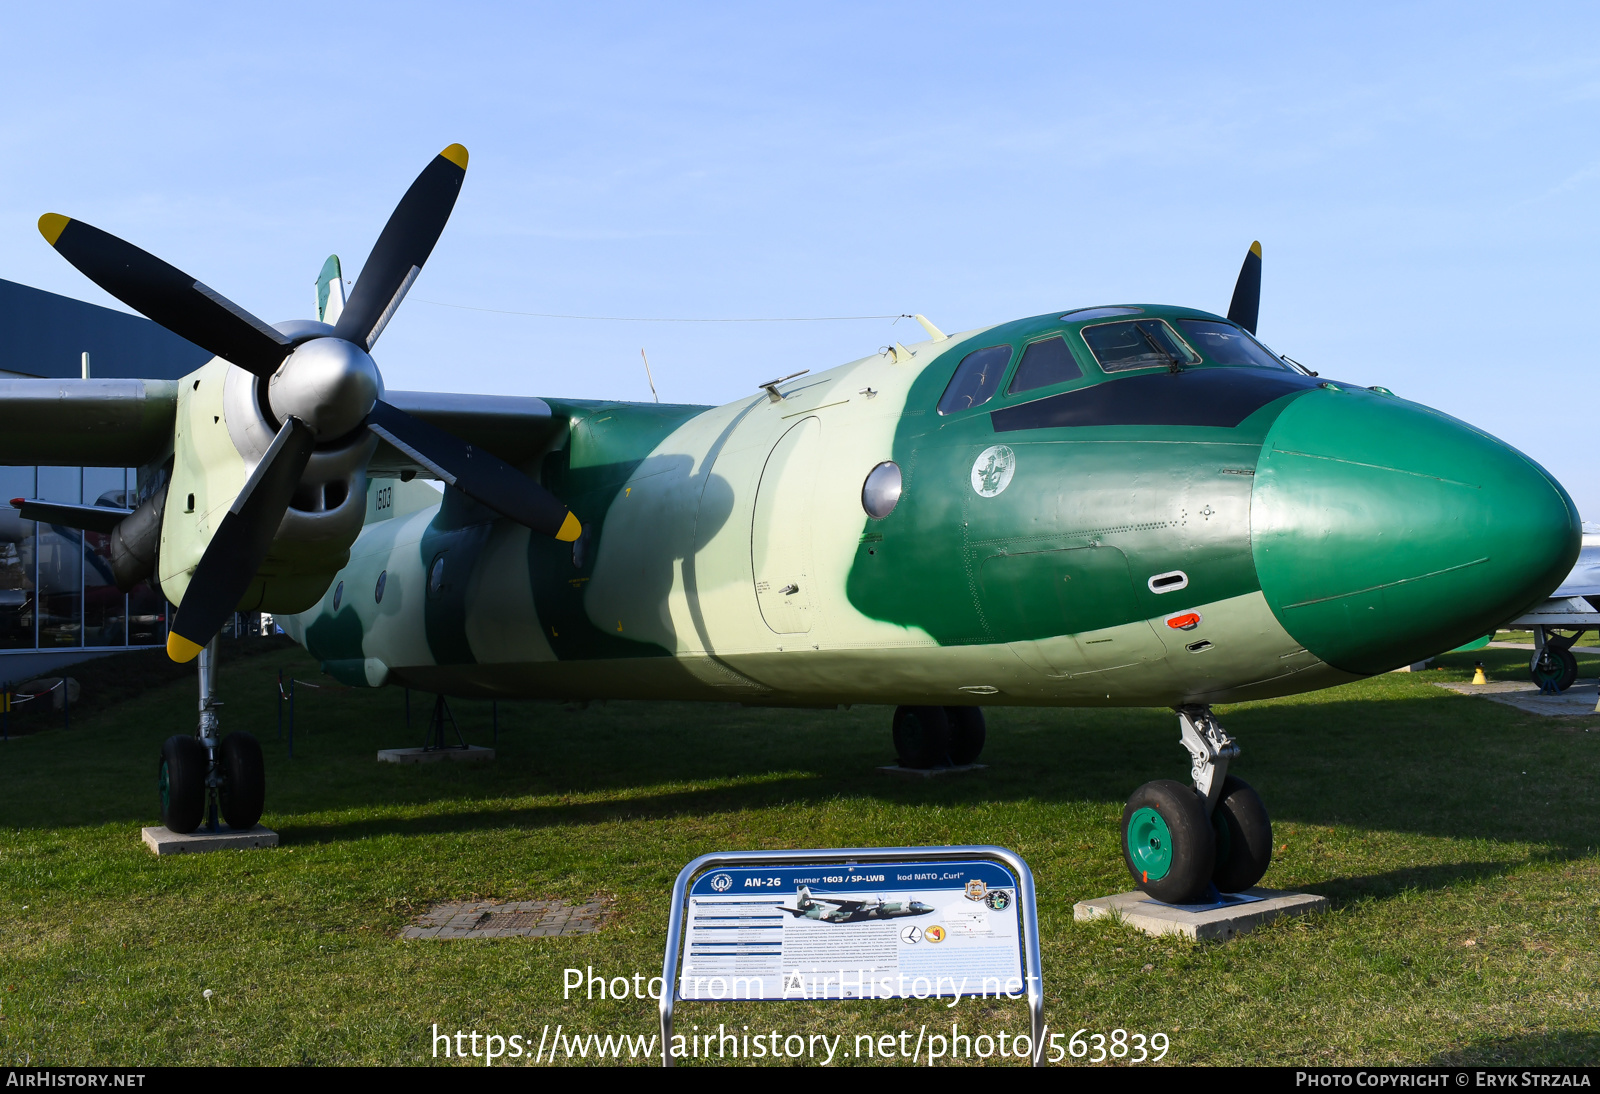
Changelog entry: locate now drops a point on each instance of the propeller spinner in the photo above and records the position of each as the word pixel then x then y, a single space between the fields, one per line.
pixel 318 390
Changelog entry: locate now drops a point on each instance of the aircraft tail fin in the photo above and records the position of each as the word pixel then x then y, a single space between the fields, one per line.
pixel 330 291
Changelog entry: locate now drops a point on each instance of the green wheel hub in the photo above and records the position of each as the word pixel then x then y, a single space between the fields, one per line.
pixel 1547 668
pixel 1150 844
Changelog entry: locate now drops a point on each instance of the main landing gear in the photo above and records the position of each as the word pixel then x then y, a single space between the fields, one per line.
pixel 927 737
pixel 1184 844
pixel 200 775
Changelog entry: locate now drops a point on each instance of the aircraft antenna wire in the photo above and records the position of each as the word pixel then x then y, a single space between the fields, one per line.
pixel 640 319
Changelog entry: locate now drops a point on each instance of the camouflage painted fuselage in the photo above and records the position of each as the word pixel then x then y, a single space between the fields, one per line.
pixel 1322 531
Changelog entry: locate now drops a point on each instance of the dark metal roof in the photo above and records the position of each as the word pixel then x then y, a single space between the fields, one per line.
pixel 42 334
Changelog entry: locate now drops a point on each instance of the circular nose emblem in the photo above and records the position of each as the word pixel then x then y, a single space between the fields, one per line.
pixel 992 470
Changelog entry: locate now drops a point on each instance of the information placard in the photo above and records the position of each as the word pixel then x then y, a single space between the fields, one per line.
pixel 913 929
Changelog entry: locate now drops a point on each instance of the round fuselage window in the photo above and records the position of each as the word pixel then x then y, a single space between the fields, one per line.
pixel 881 492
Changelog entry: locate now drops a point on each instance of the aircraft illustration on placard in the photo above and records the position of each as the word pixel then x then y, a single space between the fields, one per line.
pixel 1132 505
pixel 828 909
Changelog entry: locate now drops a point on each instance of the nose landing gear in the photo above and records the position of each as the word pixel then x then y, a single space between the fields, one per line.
pixel 199 775
pixel 1182 844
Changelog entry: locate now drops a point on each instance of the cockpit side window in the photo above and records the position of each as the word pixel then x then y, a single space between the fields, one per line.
pixel 976 380
pixel 1143 343
pixel 1226 344
pixel 1044 363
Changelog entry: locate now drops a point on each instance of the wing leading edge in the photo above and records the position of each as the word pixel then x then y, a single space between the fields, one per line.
pixel 129 423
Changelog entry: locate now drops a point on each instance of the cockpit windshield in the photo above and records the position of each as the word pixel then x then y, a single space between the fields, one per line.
pixel 977 378
pixel 1226 344
pixel 1143 343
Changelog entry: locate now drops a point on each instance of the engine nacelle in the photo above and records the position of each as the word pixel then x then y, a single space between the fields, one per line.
pixel 223 429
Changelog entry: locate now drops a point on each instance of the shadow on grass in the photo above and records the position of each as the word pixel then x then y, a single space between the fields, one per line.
pixel 1559 1047
pixel 1350 890
pixel 1380 755
pixel 695 803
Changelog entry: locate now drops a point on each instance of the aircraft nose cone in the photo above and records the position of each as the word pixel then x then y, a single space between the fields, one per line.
pixel 1385 532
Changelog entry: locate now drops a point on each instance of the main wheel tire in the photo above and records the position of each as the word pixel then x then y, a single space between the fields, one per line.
pixel 181 781
pixel 1557 665
pixel 967 733
pixel 922 736
pixel 243 793
pixel 1167 842
pixel 1243 834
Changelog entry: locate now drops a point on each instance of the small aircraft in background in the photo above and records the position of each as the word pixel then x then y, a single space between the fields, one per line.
pixel 1121 505
pixel 828 909
pixel 1560 620
pixel 103 598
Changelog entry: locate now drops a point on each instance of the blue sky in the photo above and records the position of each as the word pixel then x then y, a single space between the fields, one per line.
pixel 1423 178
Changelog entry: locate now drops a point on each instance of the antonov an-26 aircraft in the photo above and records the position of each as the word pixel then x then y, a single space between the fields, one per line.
pixel 1134 505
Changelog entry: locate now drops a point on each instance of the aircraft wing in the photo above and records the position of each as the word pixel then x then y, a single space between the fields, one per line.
pixel 517 428
pixel 846 906
pixel 127 423
pixel 88 423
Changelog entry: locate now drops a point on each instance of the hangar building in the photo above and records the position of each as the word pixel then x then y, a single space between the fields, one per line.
pixel 58 603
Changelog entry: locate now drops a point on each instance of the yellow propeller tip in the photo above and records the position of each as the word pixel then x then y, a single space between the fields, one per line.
pixel 570 529
pixel 51 225
pixel 456 154
pixel 1255 248
pixel 180 649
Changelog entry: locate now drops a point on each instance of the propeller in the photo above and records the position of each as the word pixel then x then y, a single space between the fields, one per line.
pixel 1245 308
pixel 403 246
pixel 480 475
pixel 320 389
pixel 240 544
pixel 167 295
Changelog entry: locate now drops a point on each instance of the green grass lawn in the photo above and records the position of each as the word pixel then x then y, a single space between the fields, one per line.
pixel 1456 838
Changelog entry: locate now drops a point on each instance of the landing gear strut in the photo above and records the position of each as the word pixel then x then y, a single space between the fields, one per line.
pixel 1183 844
pixel 200 775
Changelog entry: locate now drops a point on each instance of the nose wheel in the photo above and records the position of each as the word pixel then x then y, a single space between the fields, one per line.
pixel 1183 844
pixel 1167 842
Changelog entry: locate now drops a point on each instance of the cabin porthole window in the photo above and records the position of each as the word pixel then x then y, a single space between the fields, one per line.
pixel 881 491
pixel 377 592
pixel 338 595
pixel 436 576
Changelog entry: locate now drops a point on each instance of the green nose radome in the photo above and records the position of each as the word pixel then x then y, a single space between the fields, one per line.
pixel 1385 532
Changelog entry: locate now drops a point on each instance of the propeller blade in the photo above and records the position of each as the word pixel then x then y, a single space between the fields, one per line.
pixel 1245 308
pixel 167 295
pixel 403 246
pixel 482 476
pixel 240 544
